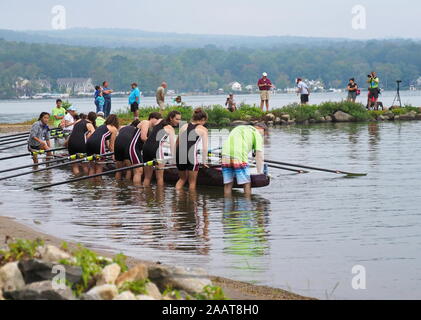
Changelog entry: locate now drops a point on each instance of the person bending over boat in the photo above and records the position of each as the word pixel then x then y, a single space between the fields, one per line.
pixel 82 131
pixel 235 156
pixel 39 137
pixel 162 132
pixel 102 141
pixel 187 155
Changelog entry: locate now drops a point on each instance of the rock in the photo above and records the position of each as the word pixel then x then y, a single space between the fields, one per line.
pixel 109 274
pixel 153 291
pixel 239 123
pixel 11 278
pixel 278 121
pixel 50 253
pixel 144 297
pixel 36 271
pixel 328 119
pixel 418 116
pixel 41 291
pixel 285 117
pixel 179 278
pixel 408 116
pixel 104 292
pixel 126 295
pixel 283 122
pixel 381 118
pixel 270 123
pixel 270 117
pixel 397 117
pixel 341 116
pixel 312 121
pixel 291 121
pixel 139 272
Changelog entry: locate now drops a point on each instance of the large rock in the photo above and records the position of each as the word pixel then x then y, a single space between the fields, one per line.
pixel 50 253
pixel 153 291
pixel 179 278
pixel 109 274
pixel 37 271
pixel 11 278
pixel 104 292
pixel 138 273
pixel 285 117
pixel 278 121
pixel 408 116
pixel 341 116
pixel 239 123
pixel 328 118
pixel 41 291
pixel 126 295
pixel 270 117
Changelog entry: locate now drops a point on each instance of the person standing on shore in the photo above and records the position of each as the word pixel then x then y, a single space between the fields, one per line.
pixel 96 94
pixel 265 85
pixel 373 90
pixel 352 90
pixel 58 113
pixel 106 92
pixel 100 102
pixel 303 90
pixel 160 96
pixel 134 100
pixel 231 104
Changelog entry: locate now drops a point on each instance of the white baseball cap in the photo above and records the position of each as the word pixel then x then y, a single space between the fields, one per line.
pixel 265 74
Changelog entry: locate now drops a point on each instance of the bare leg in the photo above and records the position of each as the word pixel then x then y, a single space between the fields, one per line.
pixel 148 176
pixel 119 165
pixel 262 104
pixel 193 180
pixel 128 163
pixel 182 181
pixel 136 114
pixel 75 169
pixel 160 175
pixel 85 167
pixel 228 189
pixel 267 105
pixel 137 177
pixel 247 189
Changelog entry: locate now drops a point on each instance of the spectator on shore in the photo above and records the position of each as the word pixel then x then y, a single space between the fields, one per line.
pixel 106 92
pixel 178 101
pixel 373 90
pixel 265 85
pixel 160 96
pixel 352 90
pixel 58 113
pixel 98 90
pixel 303 90
pixel 231 104
pixel 100 102
pixel 134 100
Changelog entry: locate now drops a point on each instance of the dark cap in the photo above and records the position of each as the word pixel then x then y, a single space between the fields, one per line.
pixel 262 125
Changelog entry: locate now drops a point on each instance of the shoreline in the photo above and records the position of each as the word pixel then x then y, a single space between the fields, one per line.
pixel 234 290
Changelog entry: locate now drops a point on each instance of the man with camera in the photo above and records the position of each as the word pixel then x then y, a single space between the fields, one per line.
pixel 373 90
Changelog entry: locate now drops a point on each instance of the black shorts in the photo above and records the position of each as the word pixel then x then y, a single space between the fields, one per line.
pixel 134 107
pixel 187 167
pixel 374 93
pixel 304 98
pixel 121 152
pixel 34 148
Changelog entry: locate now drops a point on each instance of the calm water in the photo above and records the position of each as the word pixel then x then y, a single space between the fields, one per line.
pixel 303 233
pixel 13 111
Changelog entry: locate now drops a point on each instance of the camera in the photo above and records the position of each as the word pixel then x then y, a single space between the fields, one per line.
pixel 399 81
pixel 369 76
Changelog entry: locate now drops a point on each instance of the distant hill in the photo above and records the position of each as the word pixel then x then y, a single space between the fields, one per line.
pixel 115 38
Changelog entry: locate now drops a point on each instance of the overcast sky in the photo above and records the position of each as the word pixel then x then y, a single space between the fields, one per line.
pixel 319 18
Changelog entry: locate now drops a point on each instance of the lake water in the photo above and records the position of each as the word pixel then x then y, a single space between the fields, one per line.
pixel 13 111
pixel 303 233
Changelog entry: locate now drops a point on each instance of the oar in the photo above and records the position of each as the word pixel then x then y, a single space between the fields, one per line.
pixel 350 174
pixel 31 153
pixel 15 146
pixel 147 164
pixel 14 141
pixel 90 158
pixel 15 135
pixel 72 157
pixel 287 169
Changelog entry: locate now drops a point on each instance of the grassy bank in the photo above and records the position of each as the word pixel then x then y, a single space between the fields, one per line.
pixel 294 113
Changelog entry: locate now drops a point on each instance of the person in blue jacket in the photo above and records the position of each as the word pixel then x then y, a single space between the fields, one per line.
pixel 134 100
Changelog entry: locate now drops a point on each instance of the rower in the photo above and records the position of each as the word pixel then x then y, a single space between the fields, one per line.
pixel 76 144
pixel 235 156
pixel 190 137
pixel 102 139
pixel 129 145
pixel 39 137
pixel 153 147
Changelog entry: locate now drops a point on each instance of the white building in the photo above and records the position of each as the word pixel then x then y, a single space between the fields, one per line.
pixel 236 86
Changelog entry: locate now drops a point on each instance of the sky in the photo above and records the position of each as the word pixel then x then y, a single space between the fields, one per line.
pixel 320 18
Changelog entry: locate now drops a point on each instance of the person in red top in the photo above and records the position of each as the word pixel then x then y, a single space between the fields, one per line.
pixel 265 85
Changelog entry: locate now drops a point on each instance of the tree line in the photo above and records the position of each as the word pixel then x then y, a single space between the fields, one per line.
pixel 209 68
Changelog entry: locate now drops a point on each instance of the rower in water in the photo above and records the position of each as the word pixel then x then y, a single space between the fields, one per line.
pixel 235 156
pixel 191 136
pixel 102 141
pixel 39 137
pixel 129 145
pixel 162 132
pixel 76 144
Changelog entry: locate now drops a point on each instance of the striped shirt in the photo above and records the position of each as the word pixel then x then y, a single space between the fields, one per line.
pixel 40 131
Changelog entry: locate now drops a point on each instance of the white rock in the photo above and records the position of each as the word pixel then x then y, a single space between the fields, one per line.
pixel 53 254
pixel 153 291
pixel 138 273
pixel 126 295
pixel 109 274
pixel 11 278
pixel 144 297
pixel 104 292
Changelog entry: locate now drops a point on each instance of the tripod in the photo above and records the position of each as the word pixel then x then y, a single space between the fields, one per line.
pixel 398 94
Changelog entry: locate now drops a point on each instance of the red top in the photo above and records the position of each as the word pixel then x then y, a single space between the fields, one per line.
pixel 267 84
